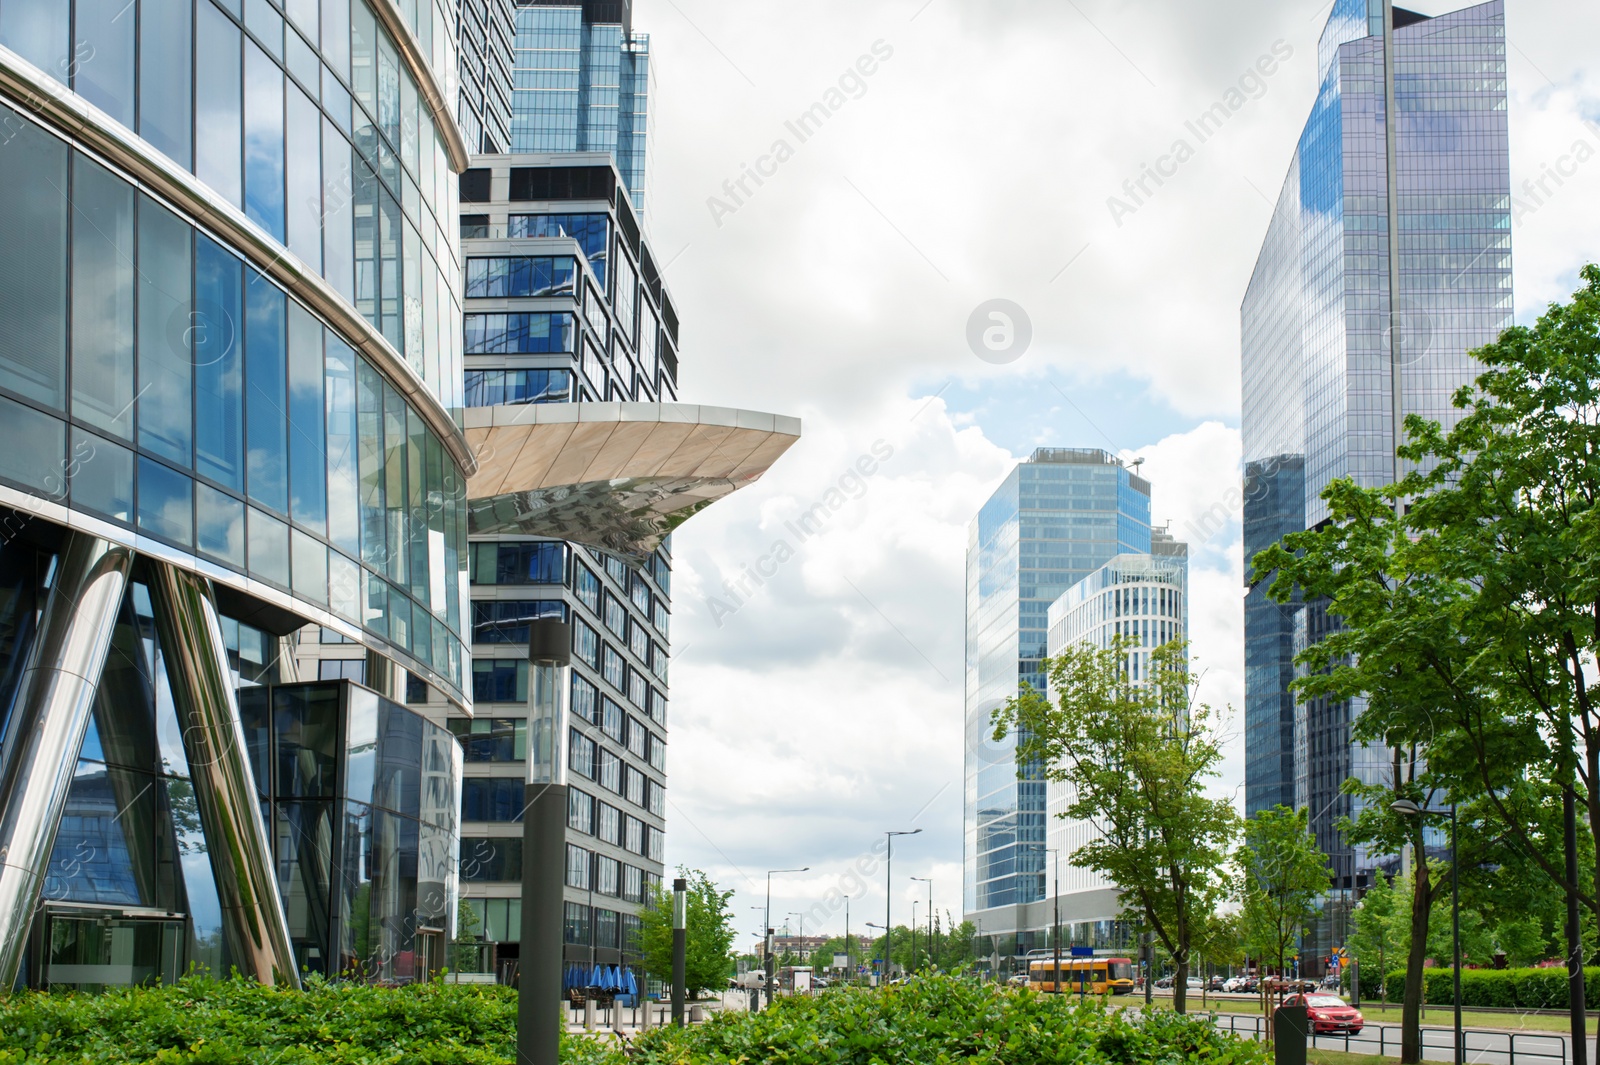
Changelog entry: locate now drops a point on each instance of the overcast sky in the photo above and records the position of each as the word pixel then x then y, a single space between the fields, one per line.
pixel 974 162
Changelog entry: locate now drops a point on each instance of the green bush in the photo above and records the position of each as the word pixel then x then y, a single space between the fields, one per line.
pixel 238 1022
pixel 928 1021
pixel 942 1019
pixel 1522 989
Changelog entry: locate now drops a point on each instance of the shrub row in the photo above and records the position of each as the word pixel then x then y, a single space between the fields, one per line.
pixel 1527 989
pixel 928 1021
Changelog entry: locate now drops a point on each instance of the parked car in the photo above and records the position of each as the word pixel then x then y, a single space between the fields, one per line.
pixel 1019 979
pixel 1328 1013
pixel 753 980
pixel 1216 983
pixel 1193 983
pixel 1165 981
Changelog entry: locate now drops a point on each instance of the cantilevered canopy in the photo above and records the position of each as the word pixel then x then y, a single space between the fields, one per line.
pixel 615 476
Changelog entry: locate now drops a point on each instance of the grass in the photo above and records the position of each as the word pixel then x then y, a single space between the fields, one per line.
pixel 1434 1016
pixel 1334 1057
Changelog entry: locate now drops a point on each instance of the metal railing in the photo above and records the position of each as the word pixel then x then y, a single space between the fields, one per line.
pixel 1485 1046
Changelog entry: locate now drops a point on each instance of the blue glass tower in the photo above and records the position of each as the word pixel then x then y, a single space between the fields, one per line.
pixel 1058 518
pixel 1342 338
pixel 582 84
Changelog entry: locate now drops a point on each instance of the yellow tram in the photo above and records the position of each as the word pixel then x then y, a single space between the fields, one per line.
pixel 1094 976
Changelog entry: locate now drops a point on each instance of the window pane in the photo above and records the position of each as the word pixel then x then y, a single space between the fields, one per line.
pixel 37 31
pixel 266 377
pixel 338 215
pixel 263 137
pixel 166 502
pixel 102 476
pixel 216 334
pixel 105 37
pixel 33 287
pixel 310 568
pixel 165 366
pixel 219 122
pixel 220 520
pixel 35 451
pixel 102 299
pixel 336 34
pixel 303 152
pixel 344 587
pixel 308 463
pixel 165 64
pixel 269 548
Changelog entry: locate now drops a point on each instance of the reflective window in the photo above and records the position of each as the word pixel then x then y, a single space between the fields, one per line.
pixel 33 287
pixel 519 334
pixel 502 680
pixel 491 799
pixel 585 698
pixel 507 621
pixel 497 860
pixel 494 388
pixel 580 811
pixel 519 563
pixel 579 863
pixel 521 276
pixel 492 739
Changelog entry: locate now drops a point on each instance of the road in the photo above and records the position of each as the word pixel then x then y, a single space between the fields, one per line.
pixel 1484 1047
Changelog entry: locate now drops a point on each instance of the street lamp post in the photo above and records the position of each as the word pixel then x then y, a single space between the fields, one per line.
pixel 766 923
pixel 1407 808
pixel 1055 931
pixel 801 953
pixel 849 967
pixel 929 881
pixel 544 833
pixel 914 904
pixel 888 890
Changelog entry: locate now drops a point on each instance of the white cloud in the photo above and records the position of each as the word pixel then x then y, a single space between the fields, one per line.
pixel 977 164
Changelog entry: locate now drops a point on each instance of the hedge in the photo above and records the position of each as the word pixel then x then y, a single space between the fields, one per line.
pixel 928 1021
pixel 1526 989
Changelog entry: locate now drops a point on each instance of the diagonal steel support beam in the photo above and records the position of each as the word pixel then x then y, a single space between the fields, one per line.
pixel 254 923
pixel 54 703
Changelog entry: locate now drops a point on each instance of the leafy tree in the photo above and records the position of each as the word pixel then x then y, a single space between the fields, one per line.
pixel 1284 875
pixel 710 932
pixel 1137 757
pixel 1380 930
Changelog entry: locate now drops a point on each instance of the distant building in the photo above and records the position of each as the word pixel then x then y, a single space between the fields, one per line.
pixel 1057 519
pixel 1145 598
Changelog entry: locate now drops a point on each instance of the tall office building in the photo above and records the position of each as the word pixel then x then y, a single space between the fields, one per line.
pixel 484 108
pixel 582 84
pixel 1341 338
pixel 1058 518
pixel 564 305
pixel 1140 597
pixel 230 371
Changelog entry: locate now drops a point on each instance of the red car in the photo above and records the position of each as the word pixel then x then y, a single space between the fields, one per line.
pixel 1328 1013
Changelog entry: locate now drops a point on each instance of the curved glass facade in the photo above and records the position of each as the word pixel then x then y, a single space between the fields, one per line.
pixel 305 118
pixel 153 379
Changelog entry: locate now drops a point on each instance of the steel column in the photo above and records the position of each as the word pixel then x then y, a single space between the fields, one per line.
pixel 254 923
pixel 54 702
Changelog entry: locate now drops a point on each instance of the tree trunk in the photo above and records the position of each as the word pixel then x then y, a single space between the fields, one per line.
pixel 1411 1009
pixel 1180 982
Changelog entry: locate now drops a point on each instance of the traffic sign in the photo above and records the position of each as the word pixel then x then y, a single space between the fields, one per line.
pixel 1083 952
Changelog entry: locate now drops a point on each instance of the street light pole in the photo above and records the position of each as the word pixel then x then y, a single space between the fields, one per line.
pixel 1055 932
pixel 766 922
pixel 849 969
pixel 888 891
pixel 540 1015
pixel 929 881
pixel 1407 808
pixel 680 948
pixel 914 904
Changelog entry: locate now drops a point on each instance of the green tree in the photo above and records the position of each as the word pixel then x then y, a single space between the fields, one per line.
pixel 1284 875
pixel 1380 930
pixel 465 949
pixel 710 932
pixel 1137 757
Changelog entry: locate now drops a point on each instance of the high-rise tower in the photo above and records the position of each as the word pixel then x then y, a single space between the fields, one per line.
pixel 1387 260
pixel 1058 518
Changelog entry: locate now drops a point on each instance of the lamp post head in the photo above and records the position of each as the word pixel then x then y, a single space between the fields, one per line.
pixel 1406 808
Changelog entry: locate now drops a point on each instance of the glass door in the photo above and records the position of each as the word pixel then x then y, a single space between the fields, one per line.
pixel 91 953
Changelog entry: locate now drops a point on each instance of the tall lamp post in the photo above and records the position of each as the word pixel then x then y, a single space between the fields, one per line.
pixel 849 966
pixel 888 891
pixel 1055 930
pixel 915 903
pixel 801 953
pixel 766 922
pixel 929 881
pixel 680 947
pixel 1407 808
pixel 544 841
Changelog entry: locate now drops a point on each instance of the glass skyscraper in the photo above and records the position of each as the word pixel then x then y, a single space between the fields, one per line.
pixel 582 84
pixel 1342 337
pixel 1059 517
pixel 484 109
pixel 230 385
